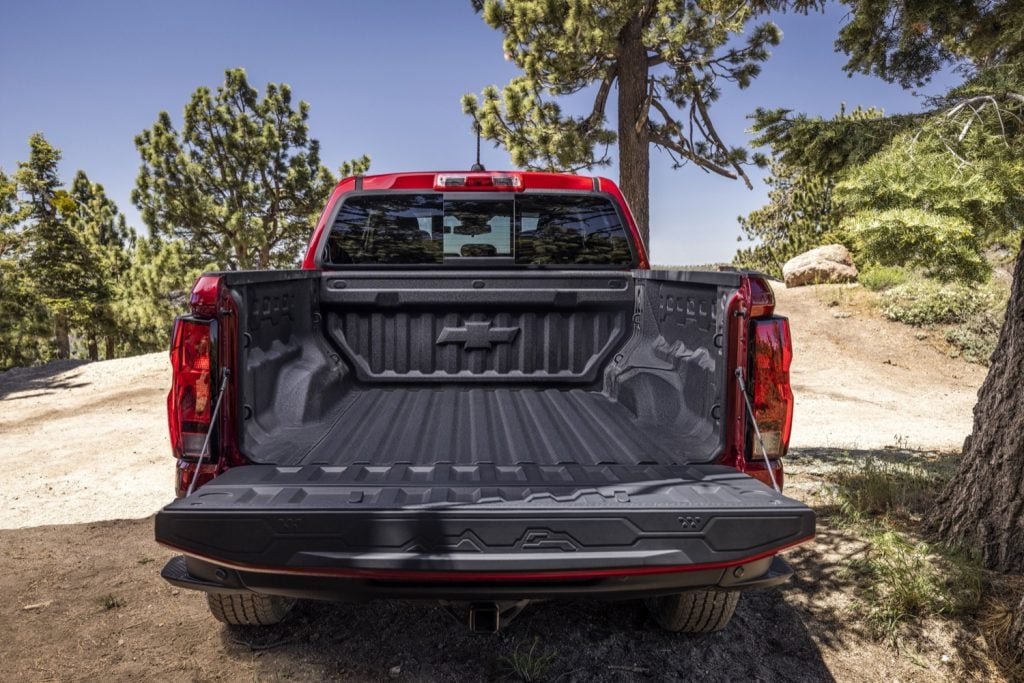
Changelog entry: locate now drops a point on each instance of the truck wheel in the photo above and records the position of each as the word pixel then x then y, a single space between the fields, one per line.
pixel 695 611
pixel 248 609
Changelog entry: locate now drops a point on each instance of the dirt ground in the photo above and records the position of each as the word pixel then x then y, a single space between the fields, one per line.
pixel 84 458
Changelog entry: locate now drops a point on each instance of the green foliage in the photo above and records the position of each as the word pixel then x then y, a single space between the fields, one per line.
pixel 106 235
pixel 61 263
pixel 909 40
pixel 928 192
pixel 667 58
pixel 824 147
pixel 927 302
pixel 24 329
pixel 241 184
pixel 61 254
pixel 881 278
pixel 156 289
pixel 945 247
pixel 801 213
pixel 360 166
pixel 976 338
pixel 799 216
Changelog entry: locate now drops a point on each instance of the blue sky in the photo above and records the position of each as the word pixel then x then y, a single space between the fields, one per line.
pixel 383 78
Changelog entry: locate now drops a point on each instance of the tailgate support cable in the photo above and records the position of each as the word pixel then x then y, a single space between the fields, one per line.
pixel 213 423
pixel 757 432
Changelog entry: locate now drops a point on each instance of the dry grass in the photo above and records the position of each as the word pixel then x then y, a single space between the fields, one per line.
pixel 528 665
pixel 900 486
pixel 903 578
pixel 995 621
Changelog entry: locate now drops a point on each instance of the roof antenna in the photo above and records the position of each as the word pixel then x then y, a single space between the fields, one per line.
pixel 477 166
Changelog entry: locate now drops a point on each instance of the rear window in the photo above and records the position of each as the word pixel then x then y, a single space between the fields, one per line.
pixel 432 228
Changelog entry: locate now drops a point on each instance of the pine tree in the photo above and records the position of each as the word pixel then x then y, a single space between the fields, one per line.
pixel 799 216
pixel 154 290
pixel 22 318
pixel 808 156
pixel 62 265
pixel 241 184
pixel 667 60
pixel 102 228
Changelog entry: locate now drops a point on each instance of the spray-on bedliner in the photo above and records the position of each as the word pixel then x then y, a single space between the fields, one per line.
pixel 426 425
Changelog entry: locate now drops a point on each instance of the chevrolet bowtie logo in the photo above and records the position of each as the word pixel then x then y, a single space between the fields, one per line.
pixel 478 335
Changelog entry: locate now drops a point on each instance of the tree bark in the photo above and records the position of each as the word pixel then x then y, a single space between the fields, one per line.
pixel 634 145
pixel 62 332
pixel 111 347
pixel 982 509
pixel 94 347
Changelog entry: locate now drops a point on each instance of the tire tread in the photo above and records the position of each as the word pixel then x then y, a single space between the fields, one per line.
pixel 694 611
pixel 248 609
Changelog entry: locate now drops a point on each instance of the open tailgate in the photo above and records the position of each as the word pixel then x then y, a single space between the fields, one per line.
pixel 530 519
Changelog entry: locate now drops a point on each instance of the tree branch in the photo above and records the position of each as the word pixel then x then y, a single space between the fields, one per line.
pixel 597 114
pixel 713 134
pixel 706 164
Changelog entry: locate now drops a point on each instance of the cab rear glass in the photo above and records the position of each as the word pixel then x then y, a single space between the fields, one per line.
pixel 431 228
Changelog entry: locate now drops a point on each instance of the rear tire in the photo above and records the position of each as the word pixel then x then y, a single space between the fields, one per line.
pixel 248 609
pixel 695 611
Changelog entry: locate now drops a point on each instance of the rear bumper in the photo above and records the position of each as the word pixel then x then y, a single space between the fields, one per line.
pixel 195 574
pixel 336 533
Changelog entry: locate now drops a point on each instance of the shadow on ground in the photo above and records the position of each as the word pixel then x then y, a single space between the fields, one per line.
pixel 93 594
pixel 38 381
pixel 570 641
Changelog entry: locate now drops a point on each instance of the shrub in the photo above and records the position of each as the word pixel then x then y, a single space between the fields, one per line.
pixel 927 302
pixel 881 278
pixel 976 338
pixel 945 247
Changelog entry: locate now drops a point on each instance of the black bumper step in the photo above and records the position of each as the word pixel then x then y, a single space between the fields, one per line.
pixel 450 521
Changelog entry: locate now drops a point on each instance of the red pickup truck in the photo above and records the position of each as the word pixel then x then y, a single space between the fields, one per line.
pixel 475 391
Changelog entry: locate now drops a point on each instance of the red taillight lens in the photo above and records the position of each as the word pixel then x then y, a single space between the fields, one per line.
pixel 203 299
pixel 762 298
pixel 772 393
pixel 189 403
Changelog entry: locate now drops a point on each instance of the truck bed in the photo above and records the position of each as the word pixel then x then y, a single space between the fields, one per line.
pixel 470 426
pixel 578 368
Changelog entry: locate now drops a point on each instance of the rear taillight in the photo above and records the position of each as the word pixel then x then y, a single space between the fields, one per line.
pixel 190 401
pixel 762 298
pixel 772 396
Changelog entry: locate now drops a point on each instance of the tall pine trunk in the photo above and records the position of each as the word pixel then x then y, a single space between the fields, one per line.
pixel 634 146
pixel 983 507
pixel 111 346
pixel 62 332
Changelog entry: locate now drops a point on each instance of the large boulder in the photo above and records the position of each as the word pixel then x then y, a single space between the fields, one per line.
pixel 828 264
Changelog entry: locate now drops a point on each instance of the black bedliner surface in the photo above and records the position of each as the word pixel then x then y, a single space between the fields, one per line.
pixel 421 425
pixel 484 518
